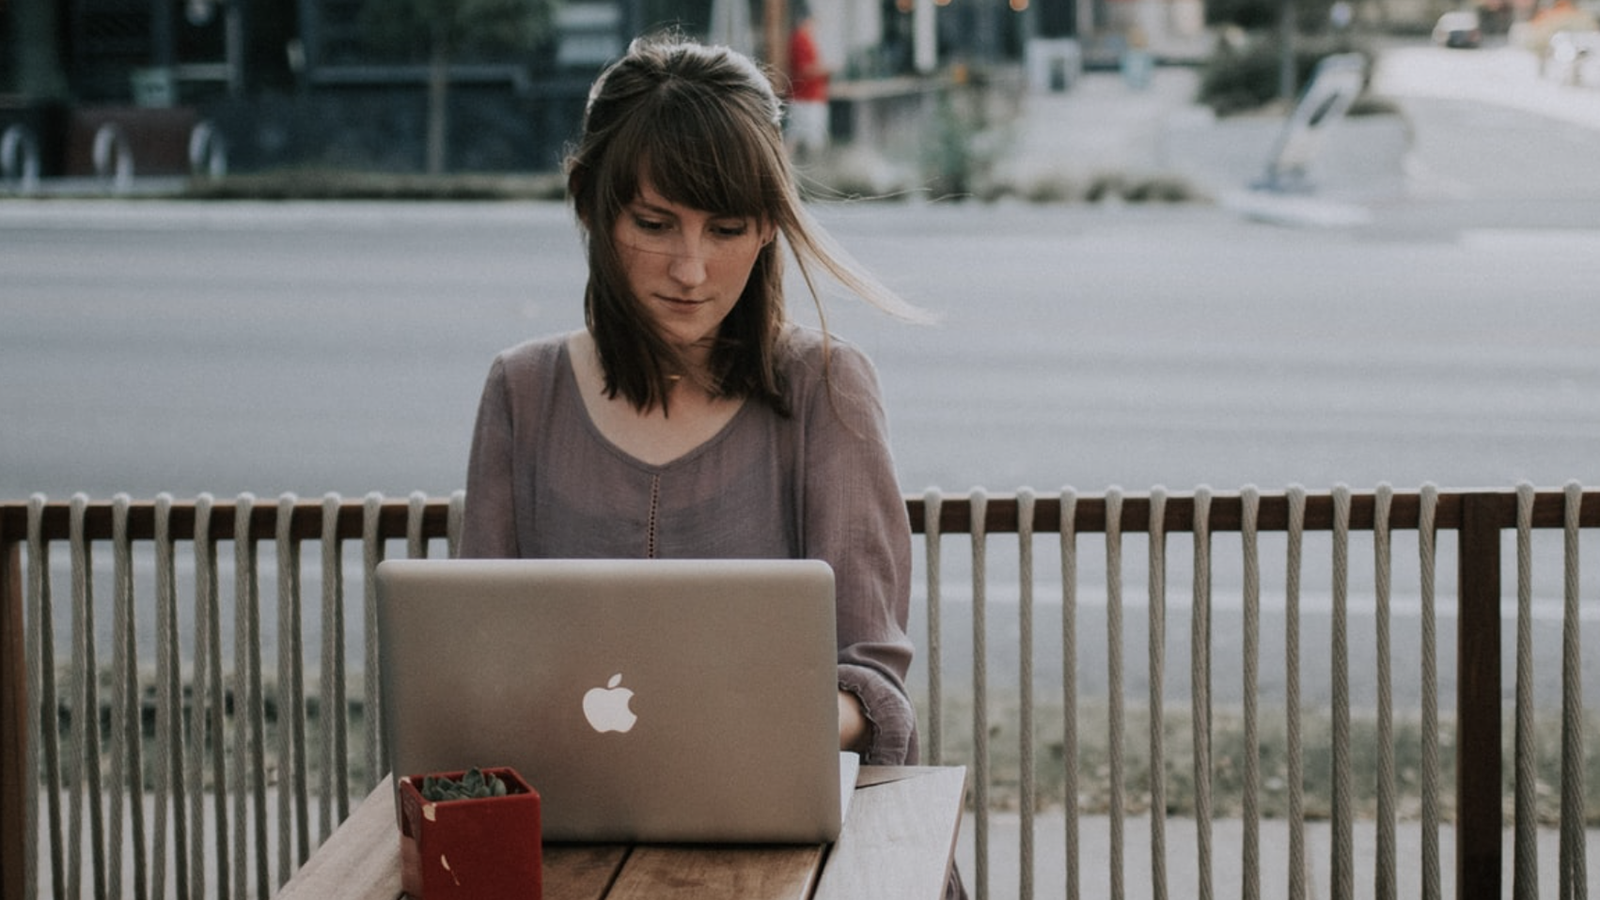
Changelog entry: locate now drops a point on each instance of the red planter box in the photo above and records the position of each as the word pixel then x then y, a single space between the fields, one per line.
pixel 482 849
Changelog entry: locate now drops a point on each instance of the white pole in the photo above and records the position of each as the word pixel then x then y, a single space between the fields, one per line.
pixel 925 41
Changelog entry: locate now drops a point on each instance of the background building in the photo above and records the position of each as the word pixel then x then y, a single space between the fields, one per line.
pixel 308 83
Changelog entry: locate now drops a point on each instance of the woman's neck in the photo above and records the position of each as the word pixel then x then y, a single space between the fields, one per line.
pixel 696 376
pixel 653 436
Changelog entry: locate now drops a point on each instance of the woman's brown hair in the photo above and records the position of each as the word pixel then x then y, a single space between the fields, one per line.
pixel 704 125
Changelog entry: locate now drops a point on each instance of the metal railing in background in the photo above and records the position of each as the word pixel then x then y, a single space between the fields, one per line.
pixel 220 773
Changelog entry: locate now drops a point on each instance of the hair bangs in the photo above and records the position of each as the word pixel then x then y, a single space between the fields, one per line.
pixel 704 158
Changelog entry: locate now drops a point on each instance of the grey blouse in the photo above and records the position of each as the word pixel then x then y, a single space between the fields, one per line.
pixel 543 482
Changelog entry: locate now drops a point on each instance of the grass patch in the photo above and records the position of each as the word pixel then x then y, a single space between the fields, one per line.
pixel 1229 760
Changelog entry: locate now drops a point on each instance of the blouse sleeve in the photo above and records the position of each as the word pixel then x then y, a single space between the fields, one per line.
pixel 488 528
pixel 855 519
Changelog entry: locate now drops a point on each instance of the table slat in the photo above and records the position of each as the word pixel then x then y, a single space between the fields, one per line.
pixel 899 837
pixel 580 871
pixel 359 861
pixel 900 834
pixel 656 872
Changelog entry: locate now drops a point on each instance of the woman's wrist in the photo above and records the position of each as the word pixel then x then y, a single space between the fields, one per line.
pixel 854 728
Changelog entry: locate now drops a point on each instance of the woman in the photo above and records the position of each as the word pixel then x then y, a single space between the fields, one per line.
pixel 691 418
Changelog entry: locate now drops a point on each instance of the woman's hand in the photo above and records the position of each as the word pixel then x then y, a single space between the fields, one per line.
pixel 853 728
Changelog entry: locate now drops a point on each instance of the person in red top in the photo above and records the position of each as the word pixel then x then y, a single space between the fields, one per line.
pixel 808 92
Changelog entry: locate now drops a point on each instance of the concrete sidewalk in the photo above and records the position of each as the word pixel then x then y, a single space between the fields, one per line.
pixel 1504 76
pixel 1106 126
pixel 1103 125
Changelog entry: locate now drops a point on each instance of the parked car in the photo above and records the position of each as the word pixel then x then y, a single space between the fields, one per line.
pixel 1460 28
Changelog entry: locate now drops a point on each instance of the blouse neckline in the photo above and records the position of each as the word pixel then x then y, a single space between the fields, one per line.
pixel 569 382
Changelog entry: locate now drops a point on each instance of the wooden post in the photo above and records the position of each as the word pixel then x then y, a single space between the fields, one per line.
pixel 1479 815
pixel 13 724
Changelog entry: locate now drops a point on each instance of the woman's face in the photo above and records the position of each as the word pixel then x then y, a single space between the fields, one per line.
pixel 685 266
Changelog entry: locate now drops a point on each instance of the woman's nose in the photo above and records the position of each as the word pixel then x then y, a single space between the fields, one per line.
pixel 688 265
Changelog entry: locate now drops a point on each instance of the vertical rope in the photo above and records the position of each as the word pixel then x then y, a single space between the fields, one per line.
pixel 244 564
pixel 1025 507
pixel 133 706
pixel 1156 559
pixel 980 687
pixel 377 759
pixel 288 591
pixel 256 707
pixel 170 787
pixel 1386 879
pixel 1571 863
pixel 85 734
pixel 1525 840
pixel 1069 682
pixel 44 729
pixel 933 505
pixel 331 715
pixel 127 764
pixel 121 634
pixel 289 549
pixel 1427 549
pixel 1114 699
pixel 166 746
pixel 457 514
pixel 249 706
pixel 416 544
pixel 208 722
pixel 293 826
pixel 1250 853
pixel 1200 686
pixel 1298 887
pixel 1343 851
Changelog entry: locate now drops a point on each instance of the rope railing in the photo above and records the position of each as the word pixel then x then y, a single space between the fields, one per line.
pixel 145 757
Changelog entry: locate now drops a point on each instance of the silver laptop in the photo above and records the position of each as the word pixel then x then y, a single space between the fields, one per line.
pixel 645 700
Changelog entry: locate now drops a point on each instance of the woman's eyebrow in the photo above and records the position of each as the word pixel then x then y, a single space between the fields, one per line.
pixel 643 205
pixel 639 204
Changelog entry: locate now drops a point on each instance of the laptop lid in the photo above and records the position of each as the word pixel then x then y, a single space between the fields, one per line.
pixel 645 700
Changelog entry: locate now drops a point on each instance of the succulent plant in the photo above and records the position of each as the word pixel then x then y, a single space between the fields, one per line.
pixel 474 784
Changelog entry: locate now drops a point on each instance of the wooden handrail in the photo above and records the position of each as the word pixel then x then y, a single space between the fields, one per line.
pixel 305 520
pixel 13 722
pixel 1001 513
pixel 955 514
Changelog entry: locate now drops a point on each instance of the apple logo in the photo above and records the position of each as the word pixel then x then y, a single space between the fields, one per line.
pixel 607 708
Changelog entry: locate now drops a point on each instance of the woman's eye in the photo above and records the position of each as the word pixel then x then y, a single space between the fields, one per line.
pixel 732 231
pixel 644 224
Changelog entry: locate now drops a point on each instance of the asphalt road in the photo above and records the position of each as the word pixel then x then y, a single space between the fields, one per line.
pixel 310 349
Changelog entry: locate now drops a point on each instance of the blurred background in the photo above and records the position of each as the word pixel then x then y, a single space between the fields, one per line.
pixel 180 87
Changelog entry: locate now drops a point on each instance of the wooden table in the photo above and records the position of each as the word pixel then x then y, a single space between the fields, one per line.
pixel 898 839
